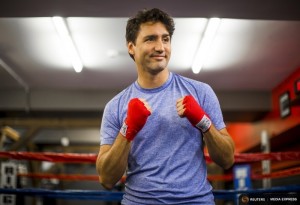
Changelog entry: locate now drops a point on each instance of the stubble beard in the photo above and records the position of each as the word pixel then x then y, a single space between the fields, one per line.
pixel 155 71
pixel 155 68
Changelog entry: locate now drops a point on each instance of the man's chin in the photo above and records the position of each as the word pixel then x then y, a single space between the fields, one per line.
pixel 156 70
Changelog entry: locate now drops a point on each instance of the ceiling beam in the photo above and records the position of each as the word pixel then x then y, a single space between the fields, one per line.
pixel 95 100
pixel 33 126
pixel 25 140
pixel 51 123
pixel 254 9
pixel 236 105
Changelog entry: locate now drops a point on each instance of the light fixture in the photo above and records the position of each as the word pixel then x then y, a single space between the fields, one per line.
pixel 67 42
pixel 65 141
pixel 205 45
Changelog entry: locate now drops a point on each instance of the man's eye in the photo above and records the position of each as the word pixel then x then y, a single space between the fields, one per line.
pixel 167 39
pixel 150 39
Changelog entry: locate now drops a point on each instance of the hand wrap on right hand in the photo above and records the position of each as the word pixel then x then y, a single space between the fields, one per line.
pixel 137 115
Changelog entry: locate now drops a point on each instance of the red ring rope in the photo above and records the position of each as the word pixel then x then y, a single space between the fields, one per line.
pixel 91 158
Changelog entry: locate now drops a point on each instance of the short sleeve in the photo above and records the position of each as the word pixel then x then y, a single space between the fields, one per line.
pixel 110 125
pixel 212 107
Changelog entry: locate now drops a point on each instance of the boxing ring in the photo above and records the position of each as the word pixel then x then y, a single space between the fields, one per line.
pixel 292 190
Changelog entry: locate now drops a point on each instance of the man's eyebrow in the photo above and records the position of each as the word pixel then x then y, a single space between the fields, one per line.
pixel 151 36
pixel 156 36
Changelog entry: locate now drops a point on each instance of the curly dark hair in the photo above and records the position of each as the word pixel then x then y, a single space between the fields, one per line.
pixel 144 16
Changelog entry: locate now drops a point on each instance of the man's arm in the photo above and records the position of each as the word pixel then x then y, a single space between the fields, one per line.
pixel 112 161
pixel 219 143
pixel 220 146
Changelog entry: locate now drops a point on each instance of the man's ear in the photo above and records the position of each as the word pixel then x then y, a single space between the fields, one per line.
pixel 130 47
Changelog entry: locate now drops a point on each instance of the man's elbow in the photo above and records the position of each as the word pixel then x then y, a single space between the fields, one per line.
pixel 106 183
pixel 107 186
pixel 230 157
pixel 228 163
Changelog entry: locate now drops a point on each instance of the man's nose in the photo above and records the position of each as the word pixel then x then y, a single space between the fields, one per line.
pixel 159 46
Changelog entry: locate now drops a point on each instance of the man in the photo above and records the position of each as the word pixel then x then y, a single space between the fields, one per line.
pixel 155 128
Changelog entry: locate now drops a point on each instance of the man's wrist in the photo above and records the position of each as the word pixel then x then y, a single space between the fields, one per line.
pixel 123 129
pixel 204 124
pixel 126 132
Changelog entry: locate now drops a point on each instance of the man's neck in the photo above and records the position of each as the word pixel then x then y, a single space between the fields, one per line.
pixel 150 81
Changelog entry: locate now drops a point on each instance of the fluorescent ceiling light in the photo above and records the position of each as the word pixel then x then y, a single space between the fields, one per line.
pixel 67 42
pixel 206 42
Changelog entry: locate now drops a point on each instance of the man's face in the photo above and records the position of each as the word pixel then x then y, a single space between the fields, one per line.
pixel 152 49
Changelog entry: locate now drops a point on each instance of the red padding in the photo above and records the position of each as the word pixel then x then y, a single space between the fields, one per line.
pixel 91 158
pixel 51 157
pixel 72 177
pixel 274 156
pixel 278 174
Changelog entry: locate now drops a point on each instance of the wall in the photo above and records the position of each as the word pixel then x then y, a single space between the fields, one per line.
pixel 247 135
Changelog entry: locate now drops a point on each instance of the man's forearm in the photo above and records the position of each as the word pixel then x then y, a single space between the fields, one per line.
pixel 112 164
pixel 220 147
pixel 112 160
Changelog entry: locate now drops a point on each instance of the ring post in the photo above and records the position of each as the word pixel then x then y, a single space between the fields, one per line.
pixel 8 181
pixel 266 164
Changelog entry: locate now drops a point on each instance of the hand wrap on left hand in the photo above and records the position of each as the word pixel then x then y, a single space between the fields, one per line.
pixel 195 114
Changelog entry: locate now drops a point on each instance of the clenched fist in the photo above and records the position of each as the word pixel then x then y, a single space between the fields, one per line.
pixel 188 107
pixel 137 115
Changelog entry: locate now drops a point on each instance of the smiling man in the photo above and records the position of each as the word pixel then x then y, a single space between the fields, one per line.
pixel 155 129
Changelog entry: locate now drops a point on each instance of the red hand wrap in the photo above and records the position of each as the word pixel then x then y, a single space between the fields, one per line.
pixel 137 115
pixel 195 114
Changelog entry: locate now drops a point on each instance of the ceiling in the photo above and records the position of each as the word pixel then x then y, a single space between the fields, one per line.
pixel 257 46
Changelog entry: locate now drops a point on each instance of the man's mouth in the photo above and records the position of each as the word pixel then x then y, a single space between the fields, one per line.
pixel 158 56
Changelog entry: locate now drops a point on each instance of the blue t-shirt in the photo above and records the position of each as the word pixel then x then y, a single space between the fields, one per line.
pixel 166 164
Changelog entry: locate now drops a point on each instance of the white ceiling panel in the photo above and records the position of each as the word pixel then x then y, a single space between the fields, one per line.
pixel 242 56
